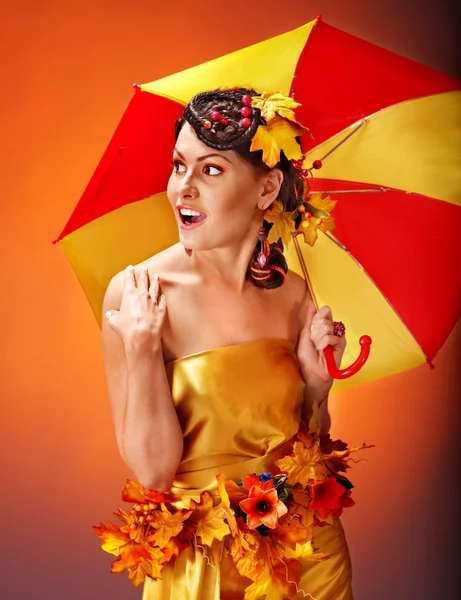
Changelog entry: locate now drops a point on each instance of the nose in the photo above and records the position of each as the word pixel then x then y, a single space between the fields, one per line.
pixel 188 187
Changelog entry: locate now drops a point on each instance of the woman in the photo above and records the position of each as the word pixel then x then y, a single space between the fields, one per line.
pixel 213 350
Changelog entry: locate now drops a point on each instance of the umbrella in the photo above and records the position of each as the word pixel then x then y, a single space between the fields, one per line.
pixel 386 130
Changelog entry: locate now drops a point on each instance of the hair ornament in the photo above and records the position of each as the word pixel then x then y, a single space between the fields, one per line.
pixel 280 130
pixel 283 225
pixel 274 104
pixel 315 215
pixel 311 214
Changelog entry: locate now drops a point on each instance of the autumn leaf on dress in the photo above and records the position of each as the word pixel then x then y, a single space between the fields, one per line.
pixel 166 525
pixel 134 492
pixel 209 519
pixel 278 582
pixel 173 548
pixel 113 538
pixel 225 504
pixel 278 134
pixel 288 534
pixel 145 567
pixel 303 465
pixel 283 225
pixel 138 557
pixel 299 507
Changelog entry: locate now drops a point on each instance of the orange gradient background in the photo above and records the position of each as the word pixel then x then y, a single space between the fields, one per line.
pixel 67 68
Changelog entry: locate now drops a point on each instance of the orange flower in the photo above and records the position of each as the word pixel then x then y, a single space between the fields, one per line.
pixel 263 507
pixel 329 496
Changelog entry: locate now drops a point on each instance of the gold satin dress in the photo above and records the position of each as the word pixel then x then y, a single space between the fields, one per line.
pixel 238 407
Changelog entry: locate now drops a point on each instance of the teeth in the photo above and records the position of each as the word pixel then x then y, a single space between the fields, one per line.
pixel 189 213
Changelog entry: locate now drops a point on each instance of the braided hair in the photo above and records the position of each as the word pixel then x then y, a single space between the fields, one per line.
pixel 219 122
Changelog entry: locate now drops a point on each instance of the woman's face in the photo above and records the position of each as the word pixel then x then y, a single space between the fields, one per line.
pixel 216 195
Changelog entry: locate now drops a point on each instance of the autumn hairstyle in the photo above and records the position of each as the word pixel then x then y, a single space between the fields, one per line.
pixel 219 122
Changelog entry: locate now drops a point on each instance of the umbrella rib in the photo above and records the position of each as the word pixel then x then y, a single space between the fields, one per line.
pixel 382 189
pixel 359 125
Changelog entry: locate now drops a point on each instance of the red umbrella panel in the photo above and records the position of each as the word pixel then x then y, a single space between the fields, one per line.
pixel 387 131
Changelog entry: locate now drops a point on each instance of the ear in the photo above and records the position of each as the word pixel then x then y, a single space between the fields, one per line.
pixel 271 184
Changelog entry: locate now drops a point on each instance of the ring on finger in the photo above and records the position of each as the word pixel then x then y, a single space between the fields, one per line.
pixel 339 328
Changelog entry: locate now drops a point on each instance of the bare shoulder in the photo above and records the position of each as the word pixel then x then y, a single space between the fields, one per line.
pixel 297 296
pixel 296 288
pixel 166 264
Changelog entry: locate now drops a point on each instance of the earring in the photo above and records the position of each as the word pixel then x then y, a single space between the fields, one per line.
pixel 264 252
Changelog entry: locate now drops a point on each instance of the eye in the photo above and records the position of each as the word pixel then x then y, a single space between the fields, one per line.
pixel 212 170
pixel 179 167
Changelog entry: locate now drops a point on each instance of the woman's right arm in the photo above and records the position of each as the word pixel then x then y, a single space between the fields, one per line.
pixel 147 429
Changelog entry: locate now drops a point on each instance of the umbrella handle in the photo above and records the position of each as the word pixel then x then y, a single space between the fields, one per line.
pixel 365 342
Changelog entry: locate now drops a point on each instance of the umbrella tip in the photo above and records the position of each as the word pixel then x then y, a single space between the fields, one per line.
pixel 136 86
pixel 319 17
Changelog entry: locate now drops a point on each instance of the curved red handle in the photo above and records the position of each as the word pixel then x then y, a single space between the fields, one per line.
pixel 365 342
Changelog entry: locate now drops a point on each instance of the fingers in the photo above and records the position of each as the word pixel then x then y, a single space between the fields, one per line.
pixel 142 279
pixel 322 329
pixel 129 280
pixel 111 318
pixel 310 313
pixel 329 340
pixel 154 287
pixel 162 304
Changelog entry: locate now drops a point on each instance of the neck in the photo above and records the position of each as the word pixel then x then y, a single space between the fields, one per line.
pixel 227 266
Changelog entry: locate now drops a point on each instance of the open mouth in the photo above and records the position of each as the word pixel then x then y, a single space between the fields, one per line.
pixel 191 217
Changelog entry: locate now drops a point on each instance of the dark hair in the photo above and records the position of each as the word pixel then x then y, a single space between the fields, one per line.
pixel 217 120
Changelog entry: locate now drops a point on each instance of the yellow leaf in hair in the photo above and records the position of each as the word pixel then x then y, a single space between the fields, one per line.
pixel 325 204
pixel 272 104
pixel 283 224
pixel 309 230
pixel 279 134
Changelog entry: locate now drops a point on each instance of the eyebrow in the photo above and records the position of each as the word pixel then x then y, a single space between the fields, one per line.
pixel 201 158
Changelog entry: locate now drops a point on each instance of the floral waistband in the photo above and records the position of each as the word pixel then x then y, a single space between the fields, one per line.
pixel 266 521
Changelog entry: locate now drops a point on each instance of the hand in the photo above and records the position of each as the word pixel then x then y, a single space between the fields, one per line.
pixel 141 313
pixel 316 335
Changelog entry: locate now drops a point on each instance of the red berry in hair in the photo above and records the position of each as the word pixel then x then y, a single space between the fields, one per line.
pixel 246 122
pixel 246 99
pixel 235 88
pixel 317 164
pixel 215 115
pixel 224 121
pixel 301 208
pixel 207 124
pixel 245 111
pixel 308 215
